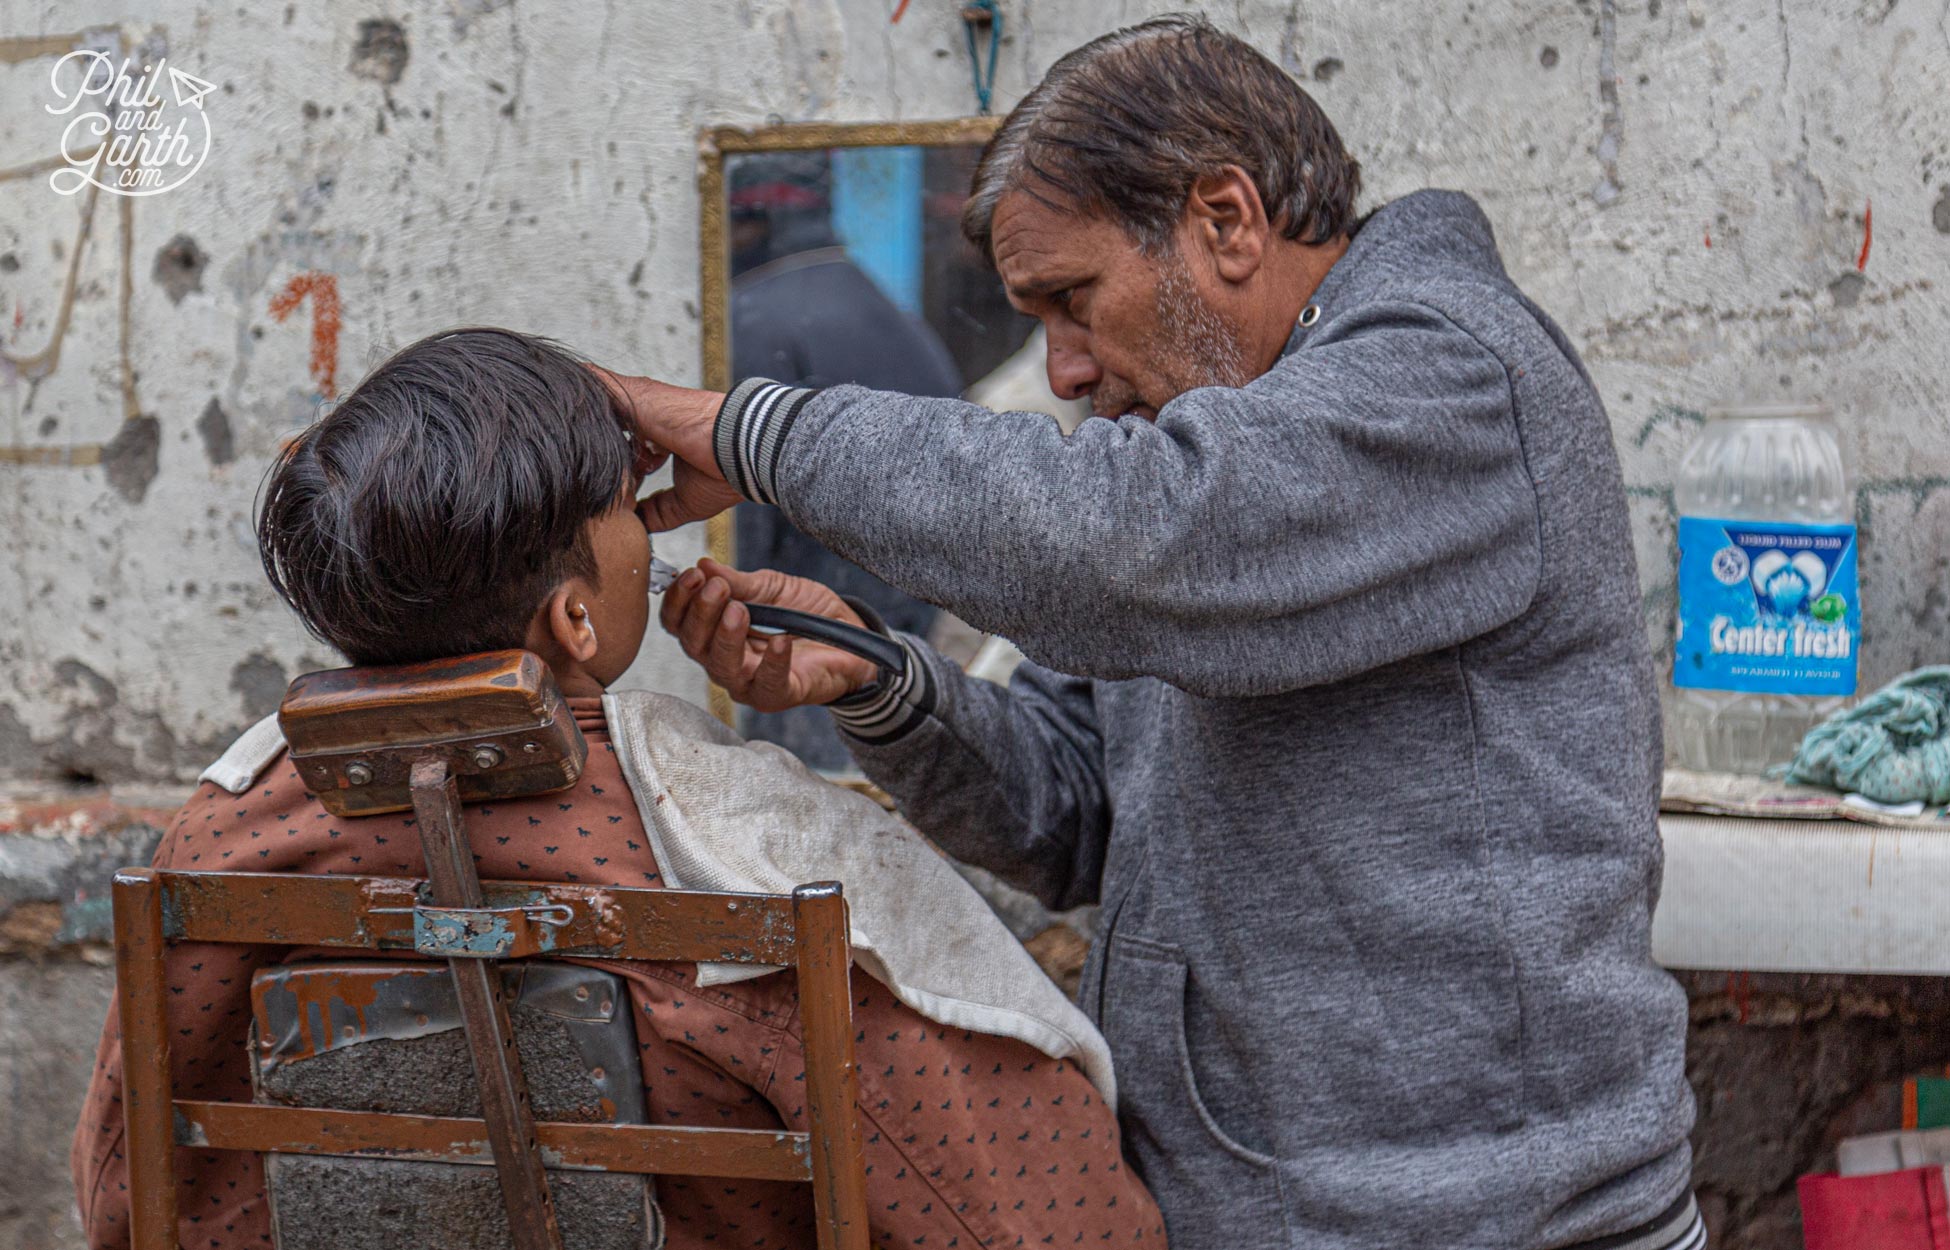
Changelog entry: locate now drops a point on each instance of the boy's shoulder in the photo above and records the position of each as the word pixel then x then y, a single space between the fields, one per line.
pixel 263 820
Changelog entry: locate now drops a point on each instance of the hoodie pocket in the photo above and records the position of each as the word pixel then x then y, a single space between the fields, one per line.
pixel 1215 1191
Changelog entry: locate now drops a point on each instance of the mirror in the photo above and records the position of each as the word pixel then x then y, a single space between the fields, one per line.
pixel 834 254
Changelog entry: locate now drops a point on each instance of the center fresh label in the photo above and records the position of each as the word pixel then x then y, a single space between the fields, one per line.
pixel 1766 608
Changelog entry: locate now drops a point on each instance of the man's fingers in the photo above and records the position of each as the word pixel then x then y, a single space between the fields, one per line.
pixel 678 599
pixel 664 510
pixel 783 589
pixel 672 419
pixel 741 582
pixel 613 382
pixel 771 684
pixel 635 395
pixel 704 609
pixel 649 459
pixel 756 586
pixel 726 662
pixel 700 624
pixel 694 625
pixel 626 392
pixel 693 495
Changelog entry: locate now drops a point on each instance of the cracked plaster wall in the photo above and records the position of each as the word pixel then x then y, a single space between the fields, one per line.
pixel 1682 184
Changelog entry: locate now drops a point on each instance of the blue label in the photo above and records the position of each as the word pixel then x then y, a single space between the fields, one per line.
pixel 1766 608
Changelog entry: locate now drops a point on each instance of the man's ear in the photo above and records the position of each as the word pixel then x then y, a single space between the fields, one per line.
pixel 1228 221
pixel 564 622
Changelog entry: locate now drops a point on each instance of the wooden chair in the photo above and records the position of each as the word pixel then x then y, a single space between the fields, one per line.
pixel 427 737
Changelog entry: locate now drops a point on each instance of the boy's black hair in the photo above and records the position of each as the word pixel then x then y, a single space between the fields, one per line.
pixel 431 513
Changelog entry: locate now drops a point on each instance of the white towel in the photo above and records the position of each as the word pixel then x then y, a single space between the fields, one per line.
pixel 748 817
pixel 726 814
pixel 237 769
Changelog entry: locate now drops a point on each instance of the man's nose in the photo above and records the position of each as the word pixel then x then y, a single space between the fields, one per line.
pixel 1073 371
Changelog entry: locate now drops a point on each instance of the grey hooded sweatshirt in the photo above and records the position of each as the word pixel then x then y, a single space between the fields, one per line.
pixel 1340 705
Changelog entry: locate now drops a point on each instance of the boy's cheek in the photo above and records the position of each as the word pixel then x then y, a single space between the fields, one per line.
pixel 634 609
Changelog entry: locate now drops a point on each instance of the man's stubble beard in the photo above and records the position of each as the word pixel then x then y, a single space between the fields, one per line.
pixel 1194 347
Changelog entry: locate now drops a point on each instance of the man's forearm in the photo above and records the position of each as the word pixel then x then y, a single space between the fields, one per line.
pixel 1011 780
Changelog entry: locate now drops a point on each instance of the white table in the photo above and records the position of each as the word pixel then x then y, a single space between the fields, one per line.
pixel 1803 896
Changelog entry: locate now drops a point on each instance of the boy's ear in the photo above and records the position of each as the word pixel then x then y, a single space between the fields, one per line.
pixel 564 622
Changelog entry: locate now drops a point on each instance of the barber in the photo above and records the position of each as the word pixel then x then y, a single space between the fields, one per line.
pixel 1339 701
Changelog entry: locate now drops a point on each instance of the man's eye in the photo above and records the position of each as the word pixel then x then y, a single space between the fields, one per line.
pixel 1062 298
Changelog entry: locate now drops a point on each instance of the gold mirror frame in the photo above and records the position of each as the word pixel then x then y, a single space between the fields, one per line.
pixel 714 282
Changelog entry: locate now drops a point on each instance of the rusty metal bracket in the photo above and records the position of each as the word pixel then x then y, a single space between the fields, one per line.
pixel 488 932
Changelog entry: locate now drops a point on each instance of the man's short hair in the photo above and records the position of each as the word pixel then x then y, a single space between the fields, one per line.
pixel 431 513
pixel 1126 124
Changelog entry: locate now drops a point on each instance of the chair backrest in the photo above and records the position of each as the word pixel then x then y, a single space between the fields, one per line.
pixel 384 1035
pixel 426 737
pixel 806 931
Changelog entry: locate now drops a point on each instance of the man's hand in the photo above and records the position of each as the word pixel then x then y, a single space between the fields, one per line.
pixel 704 612
pixel 680 421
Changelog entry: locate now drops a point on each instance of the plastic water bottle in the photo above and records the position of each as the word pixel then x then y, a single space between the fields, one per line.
pixel 1769 619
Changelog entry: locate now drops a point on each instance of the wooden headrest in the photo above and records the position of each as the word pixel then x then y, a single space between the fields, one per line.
pixel 498 718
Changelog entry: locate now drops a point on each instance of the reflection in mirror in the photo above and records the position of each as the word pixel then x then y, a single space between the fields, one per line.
pixel 847 264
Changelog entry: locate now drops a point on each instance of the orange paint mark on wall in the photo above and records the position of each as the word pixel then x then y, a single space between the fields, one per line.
pixel 323 288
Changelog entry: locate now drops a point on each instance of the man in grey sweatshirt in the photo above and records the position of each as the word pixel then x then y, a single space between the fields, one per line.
pixel 1338 699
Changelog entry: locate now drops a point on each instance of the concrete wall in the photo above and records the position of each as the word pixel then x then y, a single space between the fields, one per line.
pixel 56 980
pixel 1684 185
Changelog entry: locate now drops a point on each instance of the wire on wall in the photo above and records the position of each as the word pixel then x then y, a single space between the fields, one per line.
pixel 978 13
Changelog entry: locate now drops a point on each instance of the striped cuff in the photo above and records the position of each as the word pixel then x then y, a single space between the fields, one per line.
pixel 752 424
pixel 885 710
pixel 1678 1227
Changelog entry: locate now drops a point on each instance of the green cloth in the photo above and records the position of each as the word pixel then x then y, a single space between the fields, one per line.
pixel 1893 747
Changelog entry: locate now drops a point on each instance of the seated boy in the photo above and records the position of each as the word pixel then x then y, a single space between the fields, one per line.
pixel 475 493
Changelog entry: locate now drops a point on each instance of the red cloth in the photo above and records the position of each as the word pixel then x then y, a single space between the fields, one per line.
pixel 971 1140
pixel 1889 1211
